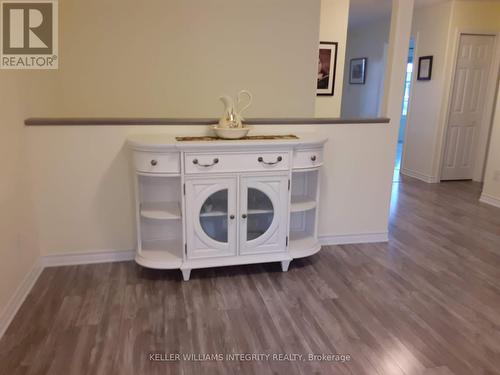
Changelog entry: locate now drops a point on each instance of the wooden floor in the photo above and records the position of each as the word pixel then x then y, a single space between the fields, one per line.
pixel 428 302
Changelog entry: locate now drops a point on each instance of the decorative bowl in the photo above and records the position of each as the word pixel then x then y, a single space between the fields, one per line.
pixel 231 133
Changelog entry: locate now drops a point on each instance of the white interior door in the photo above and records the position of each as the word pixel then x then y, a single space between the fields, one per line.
pixel 472 75
pixel 263 214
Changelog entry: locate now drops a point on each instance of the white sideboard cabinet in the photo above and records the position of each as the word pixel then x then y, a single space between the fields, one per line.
pixel 208 203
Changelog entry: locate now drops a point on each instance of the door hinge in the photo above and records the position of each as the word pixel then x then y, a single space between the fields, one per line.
pixel 186 248
pixel 184 188
pixel 286 241
pixel 288 184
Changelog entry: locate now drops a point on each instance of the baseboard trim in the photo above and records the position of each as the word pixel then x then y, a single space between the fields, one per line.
pixel 15 302
pixel 420 176
pixel 489 199
pixel 346 239
pixel 72 259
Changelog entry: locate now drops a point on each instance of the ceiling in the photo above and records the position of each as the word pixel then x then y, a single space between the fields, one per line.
pixel 365 11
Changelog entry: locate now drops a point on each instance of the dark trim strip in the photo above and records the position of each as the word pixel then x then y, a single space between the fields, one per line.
pixel 91 121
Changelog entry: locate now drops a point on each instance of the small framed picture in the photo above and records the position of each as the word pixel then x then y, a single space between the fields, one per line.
pixel 327 65
pixel 357 71
pixel 424 68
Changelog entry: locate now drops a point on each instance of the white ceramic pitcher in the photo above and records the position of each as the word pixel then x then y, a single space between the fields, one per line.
pixel 232 117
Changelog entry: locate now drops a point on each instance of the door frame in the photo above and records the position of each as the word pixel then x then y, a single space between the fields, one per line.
pixel 487 118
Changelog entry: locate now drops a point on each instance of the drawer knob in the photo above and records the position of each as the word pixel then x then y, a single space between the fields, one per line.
pixel 154 162
pixel 261 160
pixel 195 161
pixel 313 158
pixel 244 216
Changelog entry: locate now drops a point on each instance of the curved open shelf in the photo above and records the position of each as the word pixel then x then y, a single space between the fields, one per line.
pixel 302 245
pixel 161 210
pixel 300 204
pixel 160 254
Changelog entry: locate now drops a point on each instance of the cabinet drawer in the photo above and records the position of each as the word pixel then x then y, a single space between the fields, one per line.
pixel 150 162
pixel 237 162
pixel 307 158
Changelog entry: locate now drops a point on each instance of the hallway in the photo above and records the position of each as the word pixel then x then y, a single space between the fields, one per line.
pixel 426 303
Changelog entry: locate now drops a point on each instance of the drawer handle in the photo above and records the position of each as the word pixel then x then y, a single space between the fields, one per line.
pixel 313 158
pixel 195 161
pixel 154 162
pixel 261 160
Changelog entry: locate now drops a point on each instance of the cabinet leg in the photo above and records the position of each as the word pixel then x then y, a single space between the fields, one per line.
pixel 186 273
pixel 285 264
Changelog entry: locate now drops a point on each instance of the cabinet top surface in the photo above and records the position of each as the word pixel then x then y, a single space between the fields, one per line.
pixel 168 143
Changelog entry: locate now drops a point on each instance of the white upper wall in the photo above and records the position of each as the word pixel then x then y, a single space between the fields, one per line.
pixel 370 41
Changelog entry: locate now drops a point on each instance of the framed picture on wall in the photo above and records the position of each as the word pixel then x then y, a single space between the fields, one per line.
pixel 327 65
pixel 424 68
pixel 357 71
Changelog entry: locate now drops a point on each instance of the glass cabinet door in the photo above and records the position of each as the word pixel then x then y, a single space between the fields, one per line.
pixel 260 213
pixel 211 209
pixel 264 214
pixel 214 216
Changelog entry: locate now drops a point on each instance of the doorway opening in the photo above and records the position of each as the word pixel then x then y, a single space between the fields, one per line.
pixel 404 111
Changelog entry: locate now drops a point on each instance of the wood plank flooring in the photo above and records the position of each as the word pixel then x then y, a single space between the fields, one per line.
pixel 426 303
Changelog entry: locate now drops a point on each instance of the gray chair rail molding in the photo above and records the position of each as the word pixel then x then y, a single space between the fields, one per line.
pixel 92 121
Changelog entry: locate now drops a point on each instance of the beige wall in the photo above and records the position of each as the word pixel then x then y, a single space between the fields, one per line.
pixel 333 28
pixel 491 188
pixel 368 40
pixel 483 15
pixel 20 93
pixel 436 30
pixel 173 58
pixel 430 29
pixel 83 186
